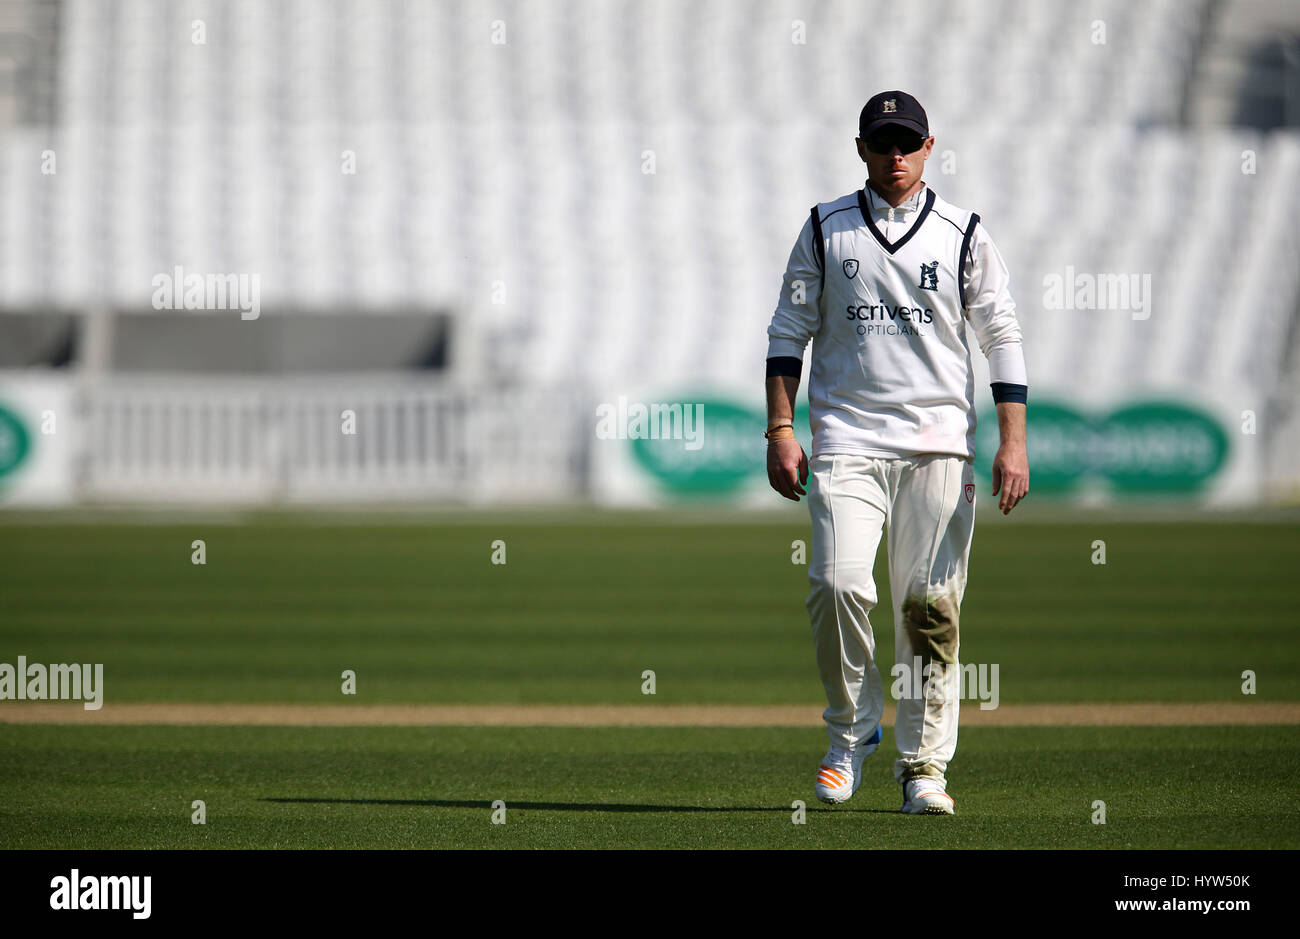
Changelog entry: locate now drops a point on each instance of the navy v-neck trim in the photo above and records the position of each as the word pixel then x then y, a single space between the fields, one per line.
pixel 891 247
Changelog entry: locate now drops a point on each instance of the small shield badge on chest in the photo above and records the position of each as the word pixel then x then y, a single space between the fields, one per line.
pixel 851 268
pixel 970 492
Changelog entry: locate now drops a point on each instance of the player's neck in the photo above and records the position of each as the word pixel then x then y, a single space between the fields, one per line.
pixel 896 200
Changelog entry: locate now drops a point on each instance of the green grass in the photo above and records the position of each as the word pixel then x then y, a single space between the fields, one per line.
pixel 580 609
pixel 77 787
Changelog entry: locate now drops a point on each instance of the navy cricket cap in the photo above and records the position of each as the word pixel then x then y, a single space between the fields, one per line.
pixel 893 107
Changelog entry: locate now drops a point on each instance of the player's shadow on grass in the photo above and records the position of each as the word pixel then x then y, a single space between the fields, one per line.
pixel 568 806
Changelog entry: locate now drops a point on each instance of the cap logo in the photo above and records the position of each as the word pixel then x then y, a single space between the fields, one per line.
pixel 890 106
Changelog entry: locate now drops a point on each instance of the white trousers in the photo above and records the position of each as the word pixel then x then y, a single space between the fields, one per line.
pixel 926 504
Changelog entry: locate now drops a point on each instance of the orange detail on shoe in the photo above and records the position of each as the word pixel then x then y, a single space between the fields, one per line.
pixel 935 792
pixel 829 776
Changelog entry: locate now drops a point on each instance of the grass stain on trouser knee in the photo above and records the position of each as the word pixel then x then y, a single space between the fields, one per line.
pixel 931 625
pixel 932 628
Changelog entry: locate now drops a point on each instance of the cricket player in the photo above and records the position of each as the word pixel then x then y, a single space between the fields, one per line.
pixel 883 280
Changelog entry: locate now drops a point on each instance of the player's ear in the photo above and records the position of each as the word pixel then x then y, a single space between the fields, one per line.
pixel 862 148
pixel 929 145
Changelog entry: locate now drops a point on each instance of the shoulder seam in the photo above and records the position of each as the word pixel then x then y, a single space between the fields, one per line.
pixel 838 211
pixel 948 220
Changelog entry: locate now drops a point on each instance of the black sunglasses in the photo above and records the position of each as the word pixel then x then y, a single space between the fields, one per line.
pixel 907 141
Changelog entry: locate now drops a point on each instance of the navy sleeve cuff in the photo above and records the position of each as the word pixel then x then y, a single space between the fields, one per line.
pixel 784 365
pixel 1006 391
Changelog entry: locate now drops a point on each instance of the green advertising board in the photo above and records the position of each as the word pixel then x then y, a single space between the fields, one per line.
pixel 1140 448
pixel 14 442
pixel 1144 447
pixel 732 453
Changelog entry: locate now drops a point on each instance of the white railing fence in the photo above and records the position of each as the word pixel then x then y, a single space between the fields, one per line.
pixel 354 438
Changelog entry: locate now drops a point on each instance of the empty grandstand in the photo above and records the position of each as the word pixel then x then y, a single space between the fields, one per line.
pixel 469 225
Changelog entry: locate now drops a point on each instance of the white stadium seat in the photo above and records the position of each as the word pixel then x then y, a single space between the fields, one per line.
pixel 522 164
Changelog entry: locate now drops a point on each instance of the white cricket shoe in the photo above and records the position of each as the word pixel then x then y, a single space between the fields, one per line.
pixel 925 795
pixel 840 773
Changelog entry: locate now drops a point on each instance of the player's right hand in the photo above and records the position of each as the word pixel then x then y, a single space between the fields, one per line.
pixel 787 468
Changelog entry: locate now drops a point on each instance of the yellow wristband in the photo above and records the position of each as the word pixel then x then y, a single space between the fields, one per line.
pixel 783 432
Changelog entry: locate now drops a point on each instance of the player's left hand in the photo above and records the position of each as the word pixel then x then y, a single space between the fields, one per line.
pixel 1011 475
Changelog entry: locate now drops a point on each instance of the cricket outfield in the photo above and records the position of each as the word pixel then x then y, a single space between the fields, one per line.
pixel 1164 683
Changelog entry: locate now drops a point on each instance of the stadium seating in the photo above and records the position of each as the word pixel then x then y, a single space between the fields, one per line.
pixel 526 167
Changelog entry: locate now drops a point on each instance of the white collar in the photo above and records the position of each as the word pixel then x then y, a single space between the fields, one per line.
pixel 905 207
